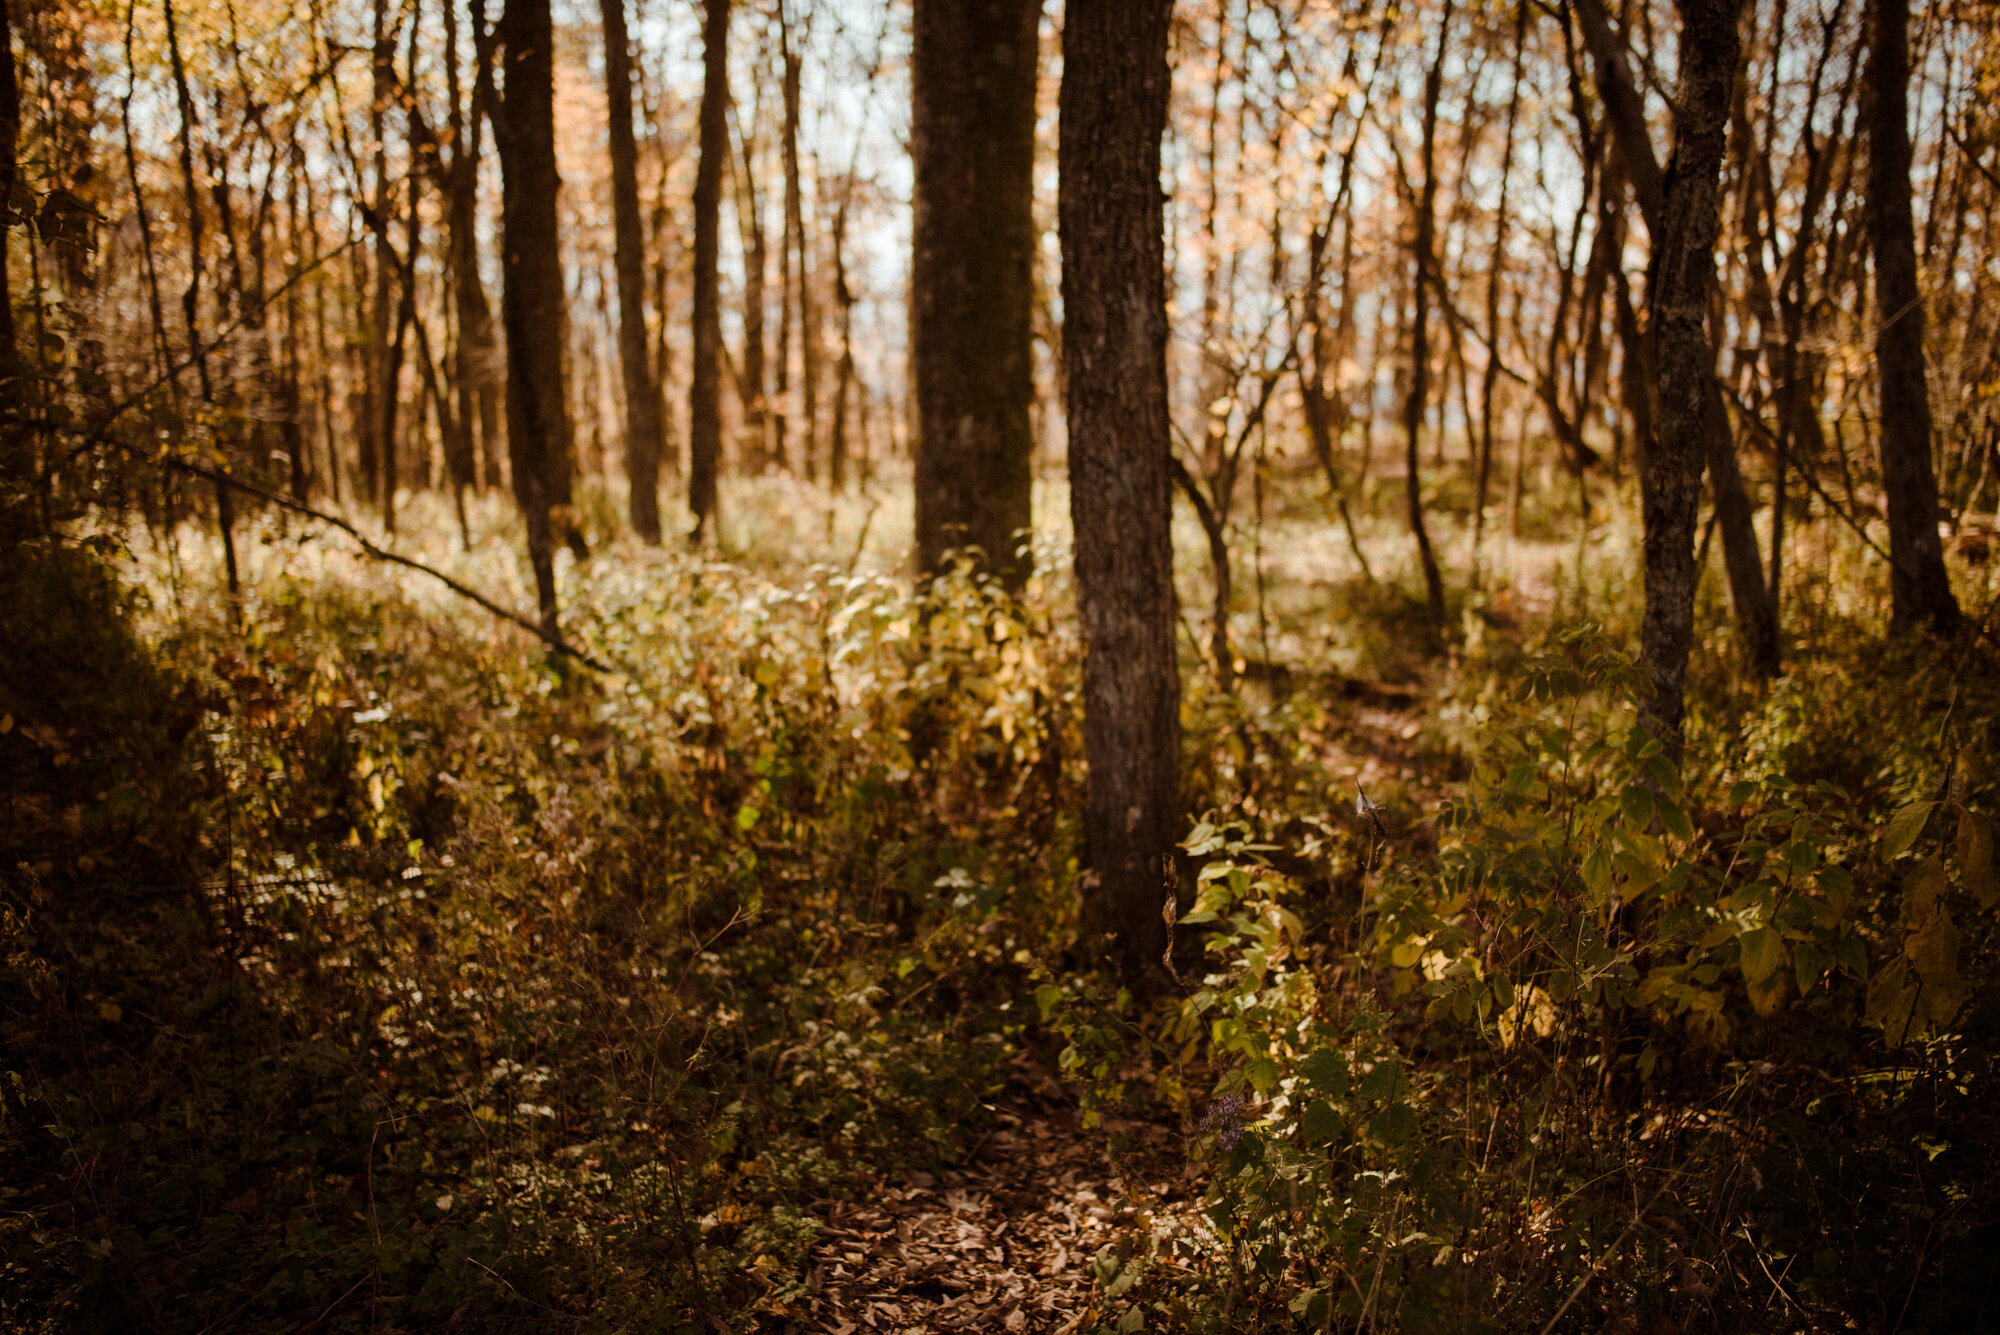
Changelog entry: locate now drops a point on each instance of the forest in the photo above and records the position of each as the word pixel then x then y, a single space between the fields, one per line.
pixel 1054 666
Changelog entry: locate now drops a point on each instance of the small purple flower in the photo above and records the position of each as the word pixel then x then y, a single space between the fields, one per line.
pixel 1225 1118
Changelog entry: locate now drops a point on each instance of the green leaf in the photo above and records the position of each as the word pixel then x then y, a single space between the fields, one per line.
pixel 1597 873
pixel 1904 827
pixel 1638 803
pixel 1808 963
pixel 1837 884
pixel 1380 1083
pixel 1763 954
pixel 1326 1071
pixel 1263 1073
pixel 1741 791
pixel 746 816
pixel 1675 818
pixel 1320 1123
pixel 1048 996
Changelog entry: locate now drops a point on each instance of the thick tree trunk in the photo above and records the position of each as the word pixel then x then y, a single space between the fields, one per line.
pixel 1420 349
pixel 1681 272
pixel 1113 109
pixel 1920 590
pixel 645 438
pixel 531 297
pixel 705 385
pixel 973 71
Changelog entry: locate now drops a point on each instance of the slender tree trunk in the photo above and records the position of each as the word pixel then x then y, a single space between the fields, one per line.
pixel 705 386
pixel 751 382
pixel 225 502
pixel 291 401
pixel 1681 273
pixel 800 266
pixel 10 133
pixel 532 297
pixel 1420 349
pixel 1113 114
pixel 843 372
pixel 1495 268
pixel 645 439
pixel 1920 590
pixel 1749 594
pixel 973 71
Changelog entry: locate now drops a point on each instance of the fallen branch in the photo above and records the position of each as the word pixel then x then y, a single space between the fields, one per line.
pixel 223 478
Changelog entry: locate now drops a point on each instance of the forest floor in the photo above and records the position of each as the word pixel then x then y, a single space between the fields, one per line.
pixel 1005 1241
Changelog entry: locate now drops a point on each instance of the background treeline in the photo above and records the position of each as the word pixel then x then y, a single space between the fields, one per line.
pixel 276 237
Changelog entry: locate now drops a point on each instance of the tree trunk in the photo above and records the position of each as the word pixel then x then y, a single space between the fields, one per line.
pixel 798 266
pixel 1495 268
pixel 10 133
pixel 1681 272
pixel 973 66
pixel 1420 348
pixel 1920 591
pixel 1749 595
pixel 531 295
pixel 475 357
pixel 1113 113
pixel 755 453
pixel 705 385
pixel 644 436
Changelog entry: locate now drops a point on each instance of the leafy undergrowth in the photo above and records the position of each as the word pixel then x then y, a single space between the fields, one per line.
pixel 364 968
pixel 367 969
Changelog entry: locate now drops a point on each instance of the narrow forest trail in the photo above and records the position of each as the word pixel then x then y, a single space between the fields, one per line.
pixel 1005 1240
pixel 1002 1242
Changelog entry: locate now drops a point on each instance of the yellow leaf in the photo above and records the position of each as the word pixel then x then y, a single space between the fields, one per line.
pixel 110 1012
pixel 1892 994
pixel 1922 890
pixel 1933 949
pixel 1763 956
pixel 1767 993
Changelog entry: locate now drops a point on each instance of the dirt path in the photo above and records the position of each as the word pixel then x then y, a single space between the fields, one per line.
pixel 1002 1243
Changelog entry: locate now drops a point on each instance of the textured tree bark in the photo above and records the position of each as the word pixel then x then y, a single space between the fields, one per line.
pixel 474 386
pixel 531 295
pixel 973 65
pixel 798 251
pixel 1920 590
pixel 1420 348
pixel 1681 271
pixel 1749 595
pixel 644 435
pixel 10 131
pixel 479 354
pixel 1495 269
pixel 755 453
pixel 705 385
pixel 1113 109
